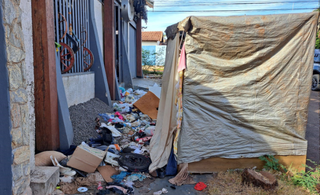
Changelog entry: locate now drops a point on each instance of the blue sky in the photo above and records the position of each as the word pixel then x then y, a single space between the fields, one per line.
pixel 158 21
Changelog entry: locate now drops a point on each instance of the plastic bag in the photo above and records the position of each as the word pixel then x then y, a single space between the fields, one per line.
pixel 150 130
pixel 129 99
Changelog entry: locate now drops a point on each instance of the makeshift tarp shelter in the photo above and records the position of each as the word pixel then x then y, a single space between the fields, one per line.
pixel 245 89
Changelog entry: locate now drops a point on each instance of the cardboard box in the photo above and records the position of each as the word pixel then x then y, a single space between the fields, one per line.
pixel 148 104
pixel 86 159
pixel 107 171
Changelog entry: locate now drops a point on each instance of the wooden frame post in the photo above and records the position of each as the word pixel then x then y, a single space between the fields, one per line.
pixel 45 79
pixel 109 45
pixel 139 48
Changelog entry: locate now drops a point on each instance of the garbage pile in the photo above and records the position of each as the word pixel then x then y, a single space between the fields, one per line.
pixel 118 158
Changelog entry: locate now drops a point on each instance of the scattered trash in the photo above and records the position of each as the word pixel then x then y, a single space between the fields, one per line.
pixel 99 186
pixel 86 181
pixel 86 159
pixel 134 162
pixel 63 170
pixel 150 130
pixel 111 159
pixel 138 184
pixel 43 158
pixel 97 175
pixel 103 192
pixel 115 132
pixel 200 186
pixel 105 117
pixel 107 171
pixel 163 191
pixel 119 189
pixel 129 184
pixel 118 178
pixel 119 154
pixel 135 177
pixel 129 99
pixel 82 189
pixel 156 90
pixel 69 188
pixel 148 104
pixel 66 179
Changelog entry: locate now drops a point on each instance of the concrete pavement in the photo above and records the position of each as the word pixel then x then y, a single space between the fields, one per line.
pixel 312 132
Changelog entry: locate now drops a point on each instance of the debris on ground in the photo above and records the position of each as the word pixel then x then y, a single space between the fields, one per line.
pixel 82 117
pixel 115 148
pixel 200 186
pixel 261 179
pixel 163 191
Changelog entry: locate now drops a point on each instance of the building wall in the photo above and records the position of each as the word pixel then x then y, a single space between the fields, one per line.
pixel 155 59
pixel 149 43
pixel 17 22
pixel 79 87
pixel 132 51
pixel 99 21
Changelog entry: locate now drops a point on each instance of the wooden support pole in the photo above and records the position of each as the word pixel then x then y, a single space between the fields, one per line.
pixel 139 48
pixel 109 45
pixel 45 79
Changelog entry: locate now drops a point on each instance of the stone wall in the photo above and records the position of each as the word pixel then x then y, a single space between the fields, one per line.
pixel 18 29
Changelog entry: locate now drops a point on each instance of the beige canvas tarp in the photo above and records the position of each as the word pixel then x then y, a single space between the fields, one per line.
pixel 246 87
pixel 161 142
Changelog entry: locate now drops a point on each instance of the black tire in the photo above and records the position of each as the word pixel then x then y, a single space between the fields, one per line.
pixel 315 82
pixel 134 162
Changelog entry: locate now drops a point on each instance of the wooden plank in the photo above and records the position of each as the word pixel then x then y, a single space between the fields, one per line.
pixel 109 47
pixel 139 48
pixel 222 164
pixel 45 80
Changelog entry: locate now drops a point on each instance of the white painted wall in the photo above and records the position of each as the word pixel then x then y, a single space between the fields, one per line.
pixel 79 87
pixel 161 54
pixel 149 43
pixel 28 75
pixel 99 21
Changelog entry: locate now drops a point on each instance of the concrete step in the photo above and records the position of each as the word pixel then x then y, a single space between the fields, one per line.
pixel 44 180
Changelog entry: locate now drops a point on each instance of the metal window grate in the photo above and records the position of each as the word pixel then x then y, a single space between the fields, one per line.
pixel 76 14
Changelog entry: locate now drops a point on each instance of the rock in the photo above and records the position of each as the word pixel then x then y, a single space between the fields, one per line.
pixel 21 155
pixel 262 179
pixel 15 76
pixel 19 96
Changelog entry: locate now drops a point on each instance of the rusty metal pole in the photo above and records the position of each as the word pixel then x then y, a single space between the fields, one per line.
pixel 139 48
pixel 45 79
pixel 109 45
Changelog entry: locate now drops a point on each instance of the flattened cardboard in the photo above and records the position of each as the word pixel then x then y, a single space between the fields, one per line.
pixel 107 171
pixel 148 104
pixel 86 159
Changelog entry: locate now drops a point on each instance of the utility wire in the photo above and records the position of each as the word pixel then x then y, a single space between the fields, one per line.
pixel 183 3
pixel 229 10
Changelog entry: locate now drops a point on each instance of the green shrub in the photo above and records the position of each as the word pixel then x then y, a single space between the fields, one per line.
pixel 271 163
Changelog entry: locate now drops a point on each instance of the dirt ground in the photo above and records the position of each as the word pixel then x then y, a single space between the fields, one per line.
pixel 82 117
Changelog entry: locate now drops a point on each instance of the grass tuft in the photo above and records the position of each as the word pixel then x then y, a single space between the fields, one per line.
pixel 230 183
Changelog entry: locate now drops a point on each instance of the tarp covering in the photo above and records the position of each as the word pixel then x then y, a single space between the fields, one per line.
pixel 247 86
pixel 161 142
